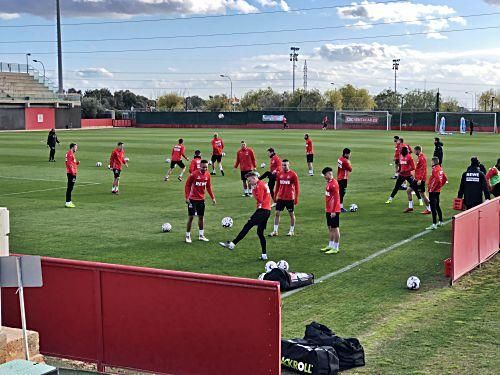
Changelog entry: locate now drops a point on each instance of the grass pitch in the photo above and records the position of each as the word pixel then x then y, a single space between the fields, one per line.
pixel 404 332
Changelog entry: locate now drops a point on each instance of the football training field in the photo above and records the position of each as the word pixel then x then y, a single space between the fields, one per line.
pixel 436 330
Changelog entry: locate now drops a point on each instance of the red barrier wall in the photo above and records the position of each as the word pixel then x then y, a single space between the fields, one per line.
pixel 39 118
pixel 97 123
pixel 166 322
pixel 475 237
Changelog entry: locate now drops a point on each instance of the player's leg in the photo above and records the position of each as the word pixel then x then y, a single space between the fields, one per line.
pixel 279 209
pixel 432 199
pixel 425 200
pixel 244 231
pixel 438 209
pixel 397 185
pixel 191 214
pixel 261 227
pixel 69 190
pixel 52 154
pixel 219 162
pixel 213 159
pixel 334 232
pixel 291 212
pixel 181 164
pixel 342 190
pixel 271 184
pixel 310 161
pixel 396 169
pixel 246 189
pixel 200 210
pixel 170 170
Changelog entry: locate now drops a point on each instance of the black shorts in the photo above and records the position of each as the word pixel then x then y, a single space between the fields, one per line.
pixel 282 204
pixel 343 185
pixel 71 177
pixel 243 175
pixel 196 208
pixel 216 158
pixel 116 173
pixel 421 187
pixel 333 222
pixel 310 158
pixel 259 218
pixel 180 163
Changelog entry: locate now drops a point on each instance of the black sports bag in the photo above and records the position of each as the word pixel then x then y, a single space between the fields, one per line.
pixel 289 280
pixel 350 352
pixel 303 357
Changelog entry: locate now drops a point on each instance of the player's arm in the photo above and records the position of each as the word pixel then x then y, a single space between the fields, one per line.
pixel 187 187
pixel 462 187
pixel 210 191
pixel 276 189
pixel 261 193
pixel 444 180
pixel 492 172
pixel 237 162
pixel 183 154
pixel 412 164
pixel 252 157
pixel 57 140
pixel 297 189
pixel 347 166
pixel 484 186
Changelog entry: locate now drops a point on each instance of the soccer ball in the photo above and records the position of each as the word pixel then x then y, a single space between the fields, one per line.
pixel 223 154
pixel 109 166
pixel 353 207
pixel 413 283
pixel 98 164
pixel 261 276
pixel 210 162
pixel 167 160
pixel 221 116
pixel 167 227
pixel 126 160
pixel 263 165
pixel 283 264
pixel 227 222
pixel 270 266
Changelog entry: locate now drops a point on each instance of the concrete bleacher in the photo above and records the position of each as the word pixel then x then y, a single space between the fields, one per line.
pixel 22 85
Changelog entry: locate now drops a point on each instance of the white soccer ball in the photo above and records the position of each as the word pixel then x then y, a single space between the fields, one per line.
pixel 98 164
pixel 353 207
pixel 210 162
pixel 109 166
pixel 227 222
pixel 270 266
pixel 413 283
pixel 263 165
pixel 261 276
pixel 126 160
pixel 223 154
pixel 221 116
pixel 283 264
pixel 167 160
pixel 167 227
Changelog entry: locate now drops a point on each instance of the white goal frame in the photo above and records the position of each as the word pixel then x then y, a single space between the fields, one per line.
pixel 387 117
pixel 464 114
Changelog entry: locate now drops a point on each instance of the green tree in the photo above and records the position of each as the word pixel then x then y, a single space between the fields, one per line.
pixel 306 99
pixel 356 99
pixel 387 100
pixel 218 103
pixel 91 107
pixel 449 105
pixel 484 100
pixel 333 99
pixel 170 102
pixel 261 99
pixel 195 103
pixel 104 96
pixel 417 100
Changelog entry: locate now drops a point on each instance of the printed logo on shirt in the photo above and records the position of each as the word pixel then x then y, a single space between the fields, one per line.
pixel 339 163
pixel 285 182
pixel 472 177
pixel 200 183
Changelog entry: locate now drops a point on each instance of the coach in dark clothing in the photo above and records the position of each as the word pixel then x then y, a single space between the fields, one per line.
pixel 51 142
pixel 473 185
pixel 438 150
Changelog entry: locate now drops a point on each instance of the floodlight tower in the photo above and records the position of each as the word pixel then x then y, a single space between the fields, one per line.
pixel 395 67
pixel 294 58
pixel 59 50
pixel 305 75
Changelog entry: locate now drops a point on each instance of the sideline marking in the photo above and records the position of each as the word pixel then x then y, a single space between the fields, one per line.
pixel 364 260
pixel 442 242
pixel 81 184
pixel 41 179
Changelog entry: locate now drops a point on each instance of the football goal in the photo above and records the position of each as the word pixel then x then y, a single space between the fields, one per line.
pixel 453 122
pixel 380 120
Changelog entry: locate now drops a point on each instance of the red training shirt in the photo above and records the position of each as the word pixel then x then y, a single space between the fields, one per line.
pixel 275 165
pixel 195 164
pixel 116 159
pixel 217 146
pixel 196 184
pixel 262 195
pixel 178 152
pixel 332 197
pixel 397 151
pixel 343 168
pixel 245 158
pixel 437 180
pixel 287 186
pixel 421 168
pixel 406 165
pixel 71 163
pixel 309 147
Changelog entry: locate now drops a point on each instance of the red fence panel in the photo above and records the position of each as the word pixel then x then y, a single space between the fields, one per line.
pixel 122 123
pixel 153 320
pixel 97 123
pixel 489 229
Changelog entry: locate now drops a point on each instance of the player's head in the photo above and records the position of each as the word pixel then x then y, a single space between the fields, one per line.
pixel 181 141
pixel 120 145
pixel 396 137
pixel 285 164
pixel 474 162
pixel 52 130
pixel 203 165
pixel 73 147
pixel 346 153
pixel 216 135
pixel 243 145
pixel 252 178
pixel 270 152
pixel 197 154
pixel 418 150
pixel 436 140
pixel 306 136
pixel 401 141
pixel 498 164
pixel 404 151
pixel 327 172
pixel 435 160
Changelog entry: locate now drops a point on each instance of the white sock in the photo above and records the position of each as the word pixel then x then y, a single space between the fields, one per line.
pixel 201 232
pixel 342 205
pixel 275 227
pixel 181 174
pixel 188 234
pixel 264 256
pixel 420 200
pixel 410 204
pixel 390 199
pixel 292 228
pixel 428 208
pixel 220 167
pixel 331 244
pixel 335 245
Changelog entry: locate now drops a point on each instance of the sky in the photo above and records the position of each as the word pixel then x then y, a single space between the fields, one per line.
pixel 156 46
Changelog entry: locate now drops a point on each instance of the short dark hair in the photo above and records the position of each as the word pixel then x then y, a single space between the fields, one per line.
pixel 396 137
pixel 120 143
pixel 306 135
pixel 418 147
pixel 270 149
pixel 71 145
pixel 401 139
pixel 474 161
pixel 181 140
pixel 346 151
pixel 242 142
pixel 435 159
pixel 204 161
pixel 498 161
pixel 287 161
pixel 197 153
pixel 326 170
pixel 437 139
pixel 252 174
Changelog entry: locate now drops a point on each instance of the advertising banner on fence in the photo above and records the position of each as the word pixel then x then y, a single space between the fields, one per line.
pixel 361 120
pixel 272 118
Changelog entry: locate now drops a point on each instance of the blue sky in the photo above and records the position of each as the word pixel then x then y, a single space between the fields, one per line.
pixel 348 49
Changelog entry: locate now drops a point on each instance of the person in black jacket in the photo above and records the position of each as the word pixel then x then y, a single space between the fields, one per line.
pixel 438 150
pixel 473 185
pixel 51 143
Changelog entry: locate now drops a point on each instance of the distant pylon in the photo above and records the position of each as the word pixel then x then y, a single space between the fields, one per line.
pixel 305 75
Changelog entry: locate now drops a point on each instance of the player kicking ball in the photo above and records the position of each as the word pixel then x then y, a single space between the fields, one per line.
pixel 261 193
pixel 332 202
pixel 286 196
pixel 116 161
pixel 194 191
pixel 177 155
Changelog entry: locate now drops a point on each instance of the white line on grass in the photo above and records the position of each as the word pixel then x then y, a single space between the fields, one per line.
pixel 442 242
pixel 82 184
pixel 40 179
pixel 364 260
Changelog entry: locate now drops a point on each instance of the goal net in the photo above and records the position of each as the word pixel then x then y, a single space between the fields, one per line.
pixel 453 122
pixel 380 120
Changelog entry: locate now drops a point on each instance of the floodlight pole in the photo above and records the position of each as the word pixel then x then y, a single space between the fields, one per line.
pixel 294 58
pixel 27 62
pixel 59 49
pixel 231 82
pixel 492 99
pixel 43 66
pixel 395 67
pixel 473 99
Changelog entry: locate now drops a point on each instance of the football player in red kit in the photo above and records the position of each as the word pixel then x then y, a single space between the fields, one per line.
pixel 261 193
pixel 421 177
pixel 397 153
pixel 286 196
pixel 332 208
pixel 274 169
pixel 436 182
pixel 309 154
pixel 344 168
pixel 178 152
pixel 195 162
pixel 116 160
pixel 245 159
pixel 71 172
pixel 217 153
pixel 194 191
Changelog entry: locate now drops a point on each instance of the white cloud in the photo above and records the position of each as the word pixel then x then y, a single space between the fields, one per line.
pixel 274 3
pixel 360 25
pixel 493 2
pixel 8 16
pixel 357 51
pixel 94 73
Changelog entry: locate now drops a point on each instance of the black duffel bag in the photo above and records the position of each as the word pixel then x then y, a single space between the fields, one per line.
pixel 304 357
pixel 350 352
pixel 289 280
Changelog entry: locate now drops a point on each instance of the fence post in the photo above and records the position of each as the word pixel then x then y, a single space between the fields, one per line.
pixel 99 328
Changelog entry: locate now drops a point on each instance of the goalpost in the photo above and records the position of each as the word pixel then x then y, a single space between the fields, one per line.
pixel 380 120
pixel 453 122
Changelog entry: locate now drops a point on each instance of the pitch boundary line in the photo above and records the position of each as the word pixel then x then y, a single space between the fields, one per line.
pixel 40 179
pixel 82 184
pixel 364 260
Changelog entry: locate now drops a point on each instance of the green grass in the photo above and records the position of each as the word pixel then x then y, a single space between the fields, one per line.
pixel 403 332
